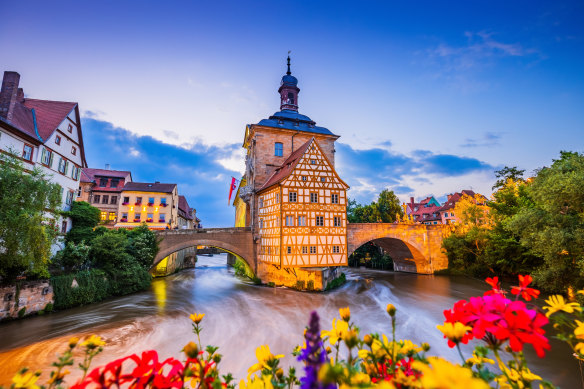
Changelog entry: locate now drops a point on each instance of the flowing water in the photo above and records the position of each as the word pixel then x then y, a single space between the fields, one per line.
pixel 241 316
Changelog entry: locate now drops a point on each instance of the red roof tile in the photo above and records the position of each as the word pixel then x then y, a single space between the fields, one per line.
pixel 49 114
pixel 149 187
pixel 89 174
pixel 183 208
pixel 287 167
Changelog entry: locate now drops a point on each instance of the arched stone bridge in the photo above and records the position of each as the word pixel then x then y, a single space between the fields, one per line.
pixel 414 248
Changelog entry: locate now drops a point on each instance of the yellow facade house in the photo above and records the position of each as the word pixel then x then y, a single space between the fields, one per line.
pixel 153 203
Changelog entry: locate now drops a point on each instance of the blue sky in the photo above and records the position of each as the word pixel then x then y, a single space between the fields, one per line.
pixel 428 97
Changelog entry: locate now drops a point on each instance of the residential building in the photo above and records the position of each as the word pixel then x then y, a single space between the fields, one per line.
pixel 448 211
pixel 45 134
pixel 424 212
pixel 153 203
pixel 187 218
pixel 102 188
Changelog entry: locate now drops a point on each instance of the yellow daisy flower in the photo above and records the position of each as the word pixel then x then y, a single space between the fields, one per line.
pixel 557 303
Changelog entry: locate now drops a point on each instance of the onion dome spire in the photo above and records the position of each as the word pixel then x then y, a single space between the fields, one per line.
pixel 289 90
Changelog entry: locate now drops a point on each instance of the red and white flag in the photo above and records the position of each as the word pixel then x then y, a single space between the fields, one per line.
pixel 231 189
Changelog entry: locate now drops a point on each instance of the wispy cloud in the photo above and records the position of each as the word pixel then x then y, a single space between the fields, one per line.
pixel 489 139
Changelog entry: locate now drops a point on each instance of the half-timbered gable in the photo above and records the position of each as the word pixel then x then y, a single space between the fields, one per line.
pixel 302 210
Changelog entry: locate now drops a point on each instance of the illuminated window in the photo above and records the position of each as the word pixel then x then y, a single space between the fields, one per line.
pixel 337 221
pixel 289 221
pixel 112 216
pixel 292 197
pixel 278 149
pixel 314 198
pixel 334 198
pixel 320 221
pixel 312 249
pixel 103 216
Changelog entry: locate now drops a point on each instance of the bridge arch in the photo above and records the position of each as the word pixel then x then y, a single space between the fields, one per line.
pixel 415 248
pixel 236 240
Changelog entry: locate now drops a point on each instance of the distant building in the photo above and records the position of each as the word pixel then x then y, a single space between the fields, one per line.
pixel 187 216
pixel 424 212
pixel 153 203
pixel 102 188
pixel 448 212
pixel 44 134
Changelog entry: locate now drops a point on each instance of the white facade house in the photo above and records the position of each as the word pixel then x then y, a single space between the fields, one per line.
pixel 44 134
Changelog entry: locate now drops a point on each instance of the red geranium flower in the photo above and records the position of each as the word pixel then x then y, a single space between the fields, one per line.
pixel 523 290
pixel 496 285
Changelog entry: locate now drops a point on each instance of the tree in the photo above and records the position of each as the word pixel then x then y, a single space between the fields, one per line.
pixel 74 257
pixel 83 214
pixel 553 226
pixel 507 173
pixel 28 206
pixel 388 206
pixel 383 211
pixel 142 246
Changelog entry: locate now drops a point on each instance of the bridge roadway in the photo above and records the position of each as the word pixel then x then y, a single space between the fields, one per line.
pixel 414 248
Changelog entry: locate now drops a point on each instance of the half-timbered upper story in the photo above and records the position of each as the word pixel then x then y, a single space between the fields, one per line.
pixel 45 134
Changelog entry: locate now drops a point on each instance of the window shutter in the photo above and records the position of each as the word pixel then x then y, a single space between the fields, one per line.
pixel 51 159
pixel 43 155
pixel 66 167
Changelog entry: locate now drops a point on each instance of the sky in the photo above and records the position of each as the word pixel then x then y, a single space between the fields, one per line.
pixel 429 98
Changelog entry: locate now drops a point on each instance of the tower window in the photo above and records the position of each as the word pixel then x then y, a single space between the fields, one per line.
pixel 279 149
pixel 290 98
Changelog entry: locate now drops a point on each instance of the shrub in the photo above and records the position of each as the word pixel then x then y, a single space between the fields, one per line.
pixel 48 307
pixel 93 287
pixel 21 312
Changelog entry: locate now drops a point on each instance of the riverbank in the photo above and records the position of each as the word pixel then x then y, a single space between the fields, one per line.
pixel 240 317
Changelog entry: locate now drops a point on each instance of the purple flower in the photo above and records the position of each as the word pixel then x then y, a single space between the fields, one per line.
pixel 313 355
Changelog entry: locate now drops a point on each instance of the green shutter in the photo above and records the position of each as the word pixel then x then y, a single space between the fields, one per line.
pixel 51 159
pixel 66 167
pixel 43 155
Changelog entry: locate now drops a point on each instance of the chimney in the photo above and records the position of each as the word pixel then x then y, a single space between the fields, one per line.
pixel 412 200
pixel 107 166
pixel 8 94
pixel 20 96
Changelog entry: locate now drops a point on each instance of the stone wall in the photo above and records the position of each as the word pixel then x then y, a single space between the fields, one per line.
pixel 304 278
pixel 33 296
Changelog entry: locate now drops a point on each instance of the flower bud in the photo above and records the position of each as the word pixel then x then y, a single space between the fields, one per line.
pixel 191 350
pixel 351 339
pixel 345 314
pixel 279 373
pixel 73 342
pixel 368 339
pixel 391 310
pixel 217 358
pixel 425 346
pixel 328 349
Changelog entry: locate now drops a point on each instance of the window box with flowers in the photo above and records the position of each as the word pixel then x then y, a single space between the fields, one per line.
pixel 137 220
pixel 163 204
pixel 149 220
pixel 123 220
pixel 125 203
pixel 150 204
pixel 161 221
pixel 138 203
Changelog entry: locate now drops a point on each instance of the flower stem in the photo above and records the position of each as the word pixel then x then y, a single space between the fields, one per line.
pixel 460 353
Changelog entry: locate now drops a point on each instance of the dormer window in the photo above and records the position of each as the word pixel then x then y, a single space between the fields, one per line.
pixel 70 128
pixel 58 140
pixel 73 150
pixel 278 149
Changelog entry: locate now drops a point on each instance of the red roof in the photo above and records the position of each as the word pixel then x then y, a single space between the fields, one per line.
pixel 287 167
pixel 49 114
pixel 149 187
pixel 89 174
pixel 183 208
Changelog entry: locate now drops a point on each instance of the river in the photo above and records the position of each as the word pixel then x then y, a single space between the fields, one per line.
pixel 240 317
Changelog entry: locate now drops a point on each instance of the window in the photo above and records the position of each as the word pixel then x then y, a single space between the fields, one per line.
pixel 312 249
pixel 290 98
pixel 70 128
pixel 303 178
pixel 336 249
pixel 64 227
pixel 150 200
pixel 112 216
pixel 337 221
pixel 302 221
pixel 27 152
pixel 289 250
pixel 277 198
pixel 161 218
pixel 73 150
pixel 138 200
pixel 314 198
pixel 114 183
pixel 63 165
pixel 103 216
pixel 137 217
pixel 289 220
pixel 149 217
pixel 104 199
pixel 58 140
pixel 322 179
pixel 162 201
pixel 304 249
pixel 292 197
pixel 320 221
pixel 114 200
pixel 126 200
pixel 47 157
pixel 96 199
pixel 334 198
pixel 103 182
pixel 75 172
pixel 69 199
pixel 261 202
pixel 124 217
pixel 278 149
pixel 261 223
pixel 313 162
pixel 452 214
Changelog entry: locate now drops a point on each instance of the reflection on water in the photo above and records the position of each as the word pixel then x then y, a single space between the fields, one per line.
pixel 241 317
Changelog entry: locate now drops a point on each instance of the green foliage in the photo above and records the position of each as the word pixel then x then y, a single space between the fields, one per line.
pixel 83 214
pixel 384 210
pixel 22 312
pixel 553 225
pixel 142 245
pixel 27 229
pixel 73 257
pixel 48 307
pixel 310 285
pixel 506 174
pixel 242 269
pixel 108 251
pixel 300 285
pixel 93 286
pixel 79 235
pixel 340 280
pixel 370 255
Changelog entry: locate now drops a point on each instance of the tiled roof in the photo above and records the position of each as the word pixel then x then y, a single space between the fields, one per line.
pixel 89 174
pixel 292 120
pixel 287 167
pixel 49 114
pixel 149 187
pixel 183 208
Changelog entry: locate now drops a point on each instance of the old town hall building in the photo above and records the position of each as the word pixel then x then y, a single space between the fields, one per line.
pixel 292 197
